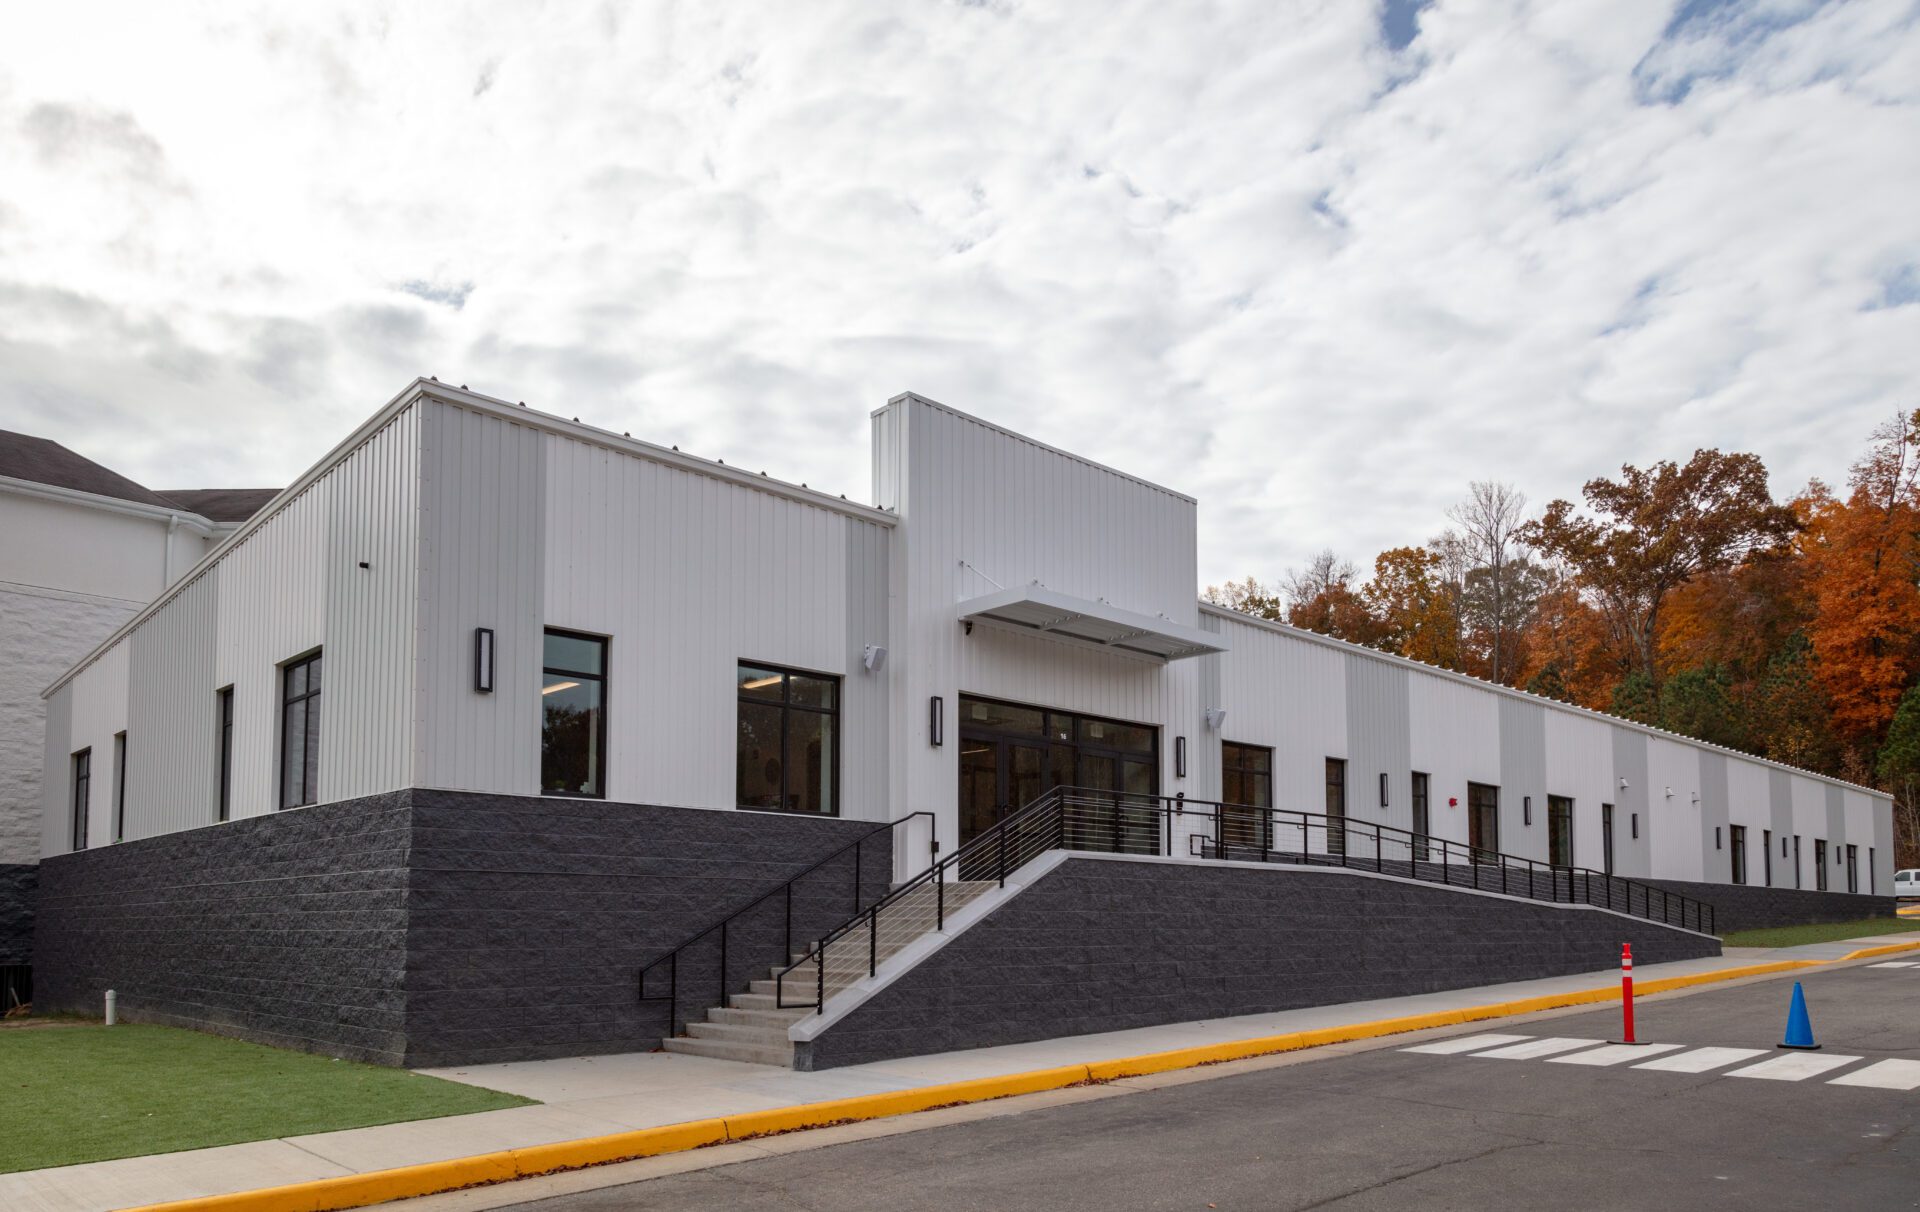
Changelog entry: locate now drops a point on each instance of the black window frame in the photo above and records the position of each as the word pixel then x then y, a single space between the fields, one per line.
pixel 80 795
pixel 1799 880
pixel 604 680
pixel 786 706
pixel 1737 840
pixel 223 772
pixel 1560 809
pixel 1852 862
pixel 1420 801
pixel 309 794
pixel 1234 824
pixel 120 786
pixel 1820 864
pixel 1336 806
pixel 1766 857
pixel 1606 839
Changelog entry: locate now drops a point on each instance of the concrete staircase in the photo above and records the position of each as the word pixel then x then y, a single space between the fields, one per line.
pixel 752 1026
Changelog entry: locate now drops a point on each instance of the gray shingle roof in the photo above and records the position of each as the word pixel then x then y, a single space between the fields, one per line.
pixel 44 461
pixel 221 504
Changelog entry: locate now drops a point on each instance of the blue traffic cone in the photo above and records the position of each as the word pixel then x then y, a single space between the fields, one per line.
pixel 1799 1026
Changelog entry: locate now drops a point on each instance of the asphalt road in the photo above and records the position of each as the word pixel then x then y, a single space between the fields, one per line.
pixel 1388 1129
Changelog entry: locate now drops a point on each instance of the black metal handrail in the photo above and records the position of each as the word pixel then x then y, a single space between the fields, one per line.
pixel 991 847
pixel 1078 818
pixel 1428 858
pixel 672 957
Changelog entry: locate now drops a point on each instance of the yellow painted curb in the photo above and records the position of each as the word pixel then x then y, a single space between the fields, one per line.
pixel 1889 949
pixel 378 1186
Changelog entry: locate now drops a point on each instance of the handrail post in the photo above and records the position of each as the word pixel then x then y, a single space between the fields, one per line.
pixel 820 977
pixel 939 899
pixel 1003 856
pixel 873 941
pixel 673 995
pixel 1379 850
pixel 723 962
pixel 856 873
pixel 787 952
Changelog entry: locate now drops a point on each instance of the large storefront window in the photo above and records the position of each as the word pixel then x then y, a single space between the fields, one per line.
pixel 789 745
pixel 1010 755
pixel 573 716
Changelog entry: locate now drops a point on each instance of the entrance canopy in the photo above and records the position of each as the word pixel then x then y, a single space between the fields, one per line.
pixel 1036 608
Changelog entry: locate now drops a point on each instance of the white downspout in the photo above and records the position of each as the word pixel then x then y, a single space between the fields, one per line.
pixel 166 558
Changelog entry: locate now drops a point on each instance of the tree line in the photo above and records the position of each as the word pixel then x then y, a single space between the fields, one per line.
pixel 1680 595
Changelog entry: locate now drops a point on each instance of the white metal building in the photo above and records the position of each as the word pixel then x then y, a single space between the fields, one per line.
pixel 505 601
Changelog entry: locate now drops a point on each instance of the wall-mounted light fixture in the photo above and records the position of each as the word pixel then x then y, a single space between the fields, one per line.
pixel 1179 757
pixel 1383 789
pixel 1624 784
pixel 1526 810
pixel 1216 716
pixel 1669 793
pixel 1716 837
pixel 874 657
pixel 483 660
pixel 1636 824
pixel 936 721
pixel 1696 799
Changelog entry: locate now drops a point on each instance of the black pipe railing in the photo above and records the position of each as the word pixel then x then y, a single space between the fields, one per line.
pixel 671 958
pixel 1078 818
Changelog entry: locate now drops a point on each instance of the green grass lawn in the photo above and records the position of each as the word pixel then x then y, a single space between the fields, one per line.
pixel 1795 936
pixel 72 1094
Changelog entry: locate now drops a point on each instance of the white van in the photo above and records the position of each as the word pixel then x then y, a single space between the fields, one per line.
pixel 1907 883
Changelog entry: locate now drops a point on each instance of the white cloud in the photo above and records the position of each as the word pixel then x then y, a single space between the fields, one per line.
pixel 1248 250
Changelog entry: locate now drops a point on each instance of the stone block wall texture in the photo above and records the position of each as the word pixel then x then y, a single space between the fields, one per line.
pixel 438 928
pixel 287 929
pixel 1751 907
pixel 1101 945
pixel 17 882
pixel 42 632
pixel 529 919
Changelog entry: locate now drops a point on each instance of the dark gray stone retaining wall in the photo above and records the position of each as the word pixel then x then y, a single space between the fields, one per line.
pixel 1752 907
pixel 288 929
pixel 437 928
pixel 17 882
pixel 1103 945
pixel 530 918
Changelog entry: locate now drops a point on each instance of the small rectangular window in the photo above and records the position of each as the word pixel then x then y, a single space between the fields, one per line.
pixel 223 701
pixel 300 732
pixel 119 786
pixel 787 739
pixel 1336 805
pixel 1422 816
pixel 1766 857
pixel 82 793
pixel 1820 864
pixel 1560 830
pixel 573 716
pixel 1853 867
pixel 1737 838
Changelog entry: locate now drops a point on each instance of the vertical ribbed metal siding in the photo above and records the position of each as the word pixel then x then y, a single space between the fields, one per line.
pixel 1018 512
pixel 1379 741
pixel 1455 739
pixel 368 705
pixel 1523 775
pixel 1290 697
pixel 1674 821
pixel 98 709
pixel 687 574
pixel 1580 766
pixel 54 786
pixel 483 505
pixel 1715 812
pixel 1630 762
pixel 170 718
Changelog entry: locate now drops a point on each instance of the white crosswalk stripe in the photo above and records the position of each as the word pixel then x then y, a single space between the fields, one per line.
pixel 1896 964
pixel 1466 1043
pixel 1534 1049
pixel 1613 1054
pixel 1794 1066
pixel 1700 1060
pixel 1883 1075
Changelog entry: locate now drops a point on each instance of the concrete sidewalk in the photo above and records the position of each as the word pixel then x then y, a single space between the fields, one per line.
pixel 593 1096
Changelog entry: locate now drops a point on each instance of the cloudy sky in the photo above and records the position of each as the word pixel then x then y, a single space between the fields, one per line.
pixel 1317 263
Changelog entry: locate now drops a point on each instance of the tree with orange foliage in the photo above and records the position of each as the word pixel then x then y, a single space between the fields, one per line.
pixel 1414 611
pixel 1569 653
pixel 1862 557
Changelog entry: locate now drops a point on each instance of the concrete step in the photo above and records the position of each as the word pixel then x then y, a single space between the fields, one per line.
pixel 733 1050
pixel 745 1033
pixel 763 1018
pixel 764 1001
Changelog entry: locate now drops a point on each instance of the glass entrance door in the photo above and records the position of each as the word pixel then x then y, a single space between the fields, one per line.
pixel 1011 755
